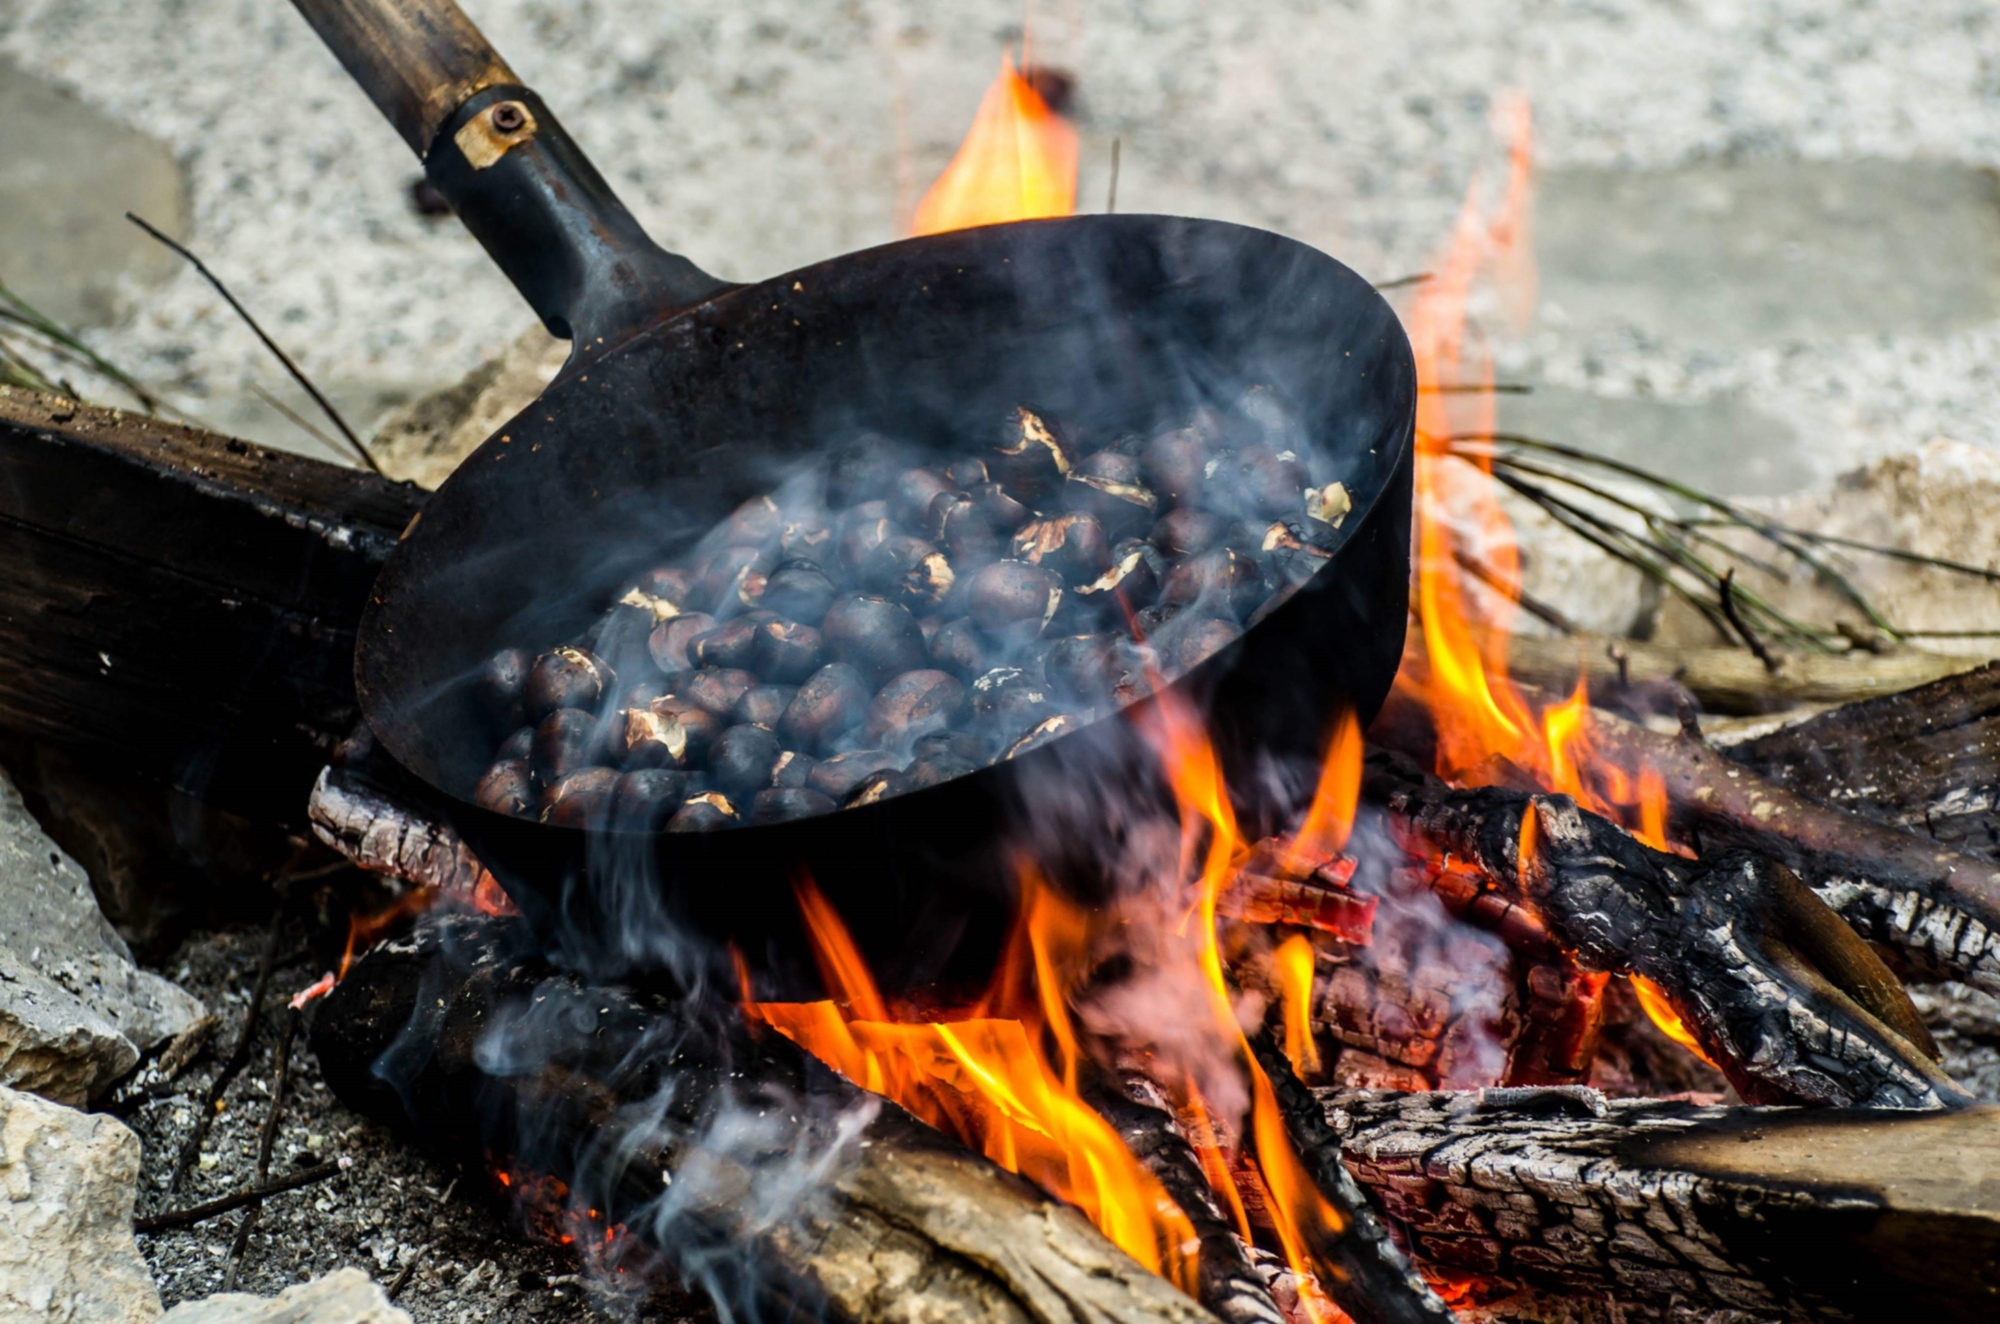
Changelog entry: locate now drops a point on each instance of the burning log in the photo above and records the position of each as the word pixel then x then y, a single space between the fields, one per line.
pixel 675 1132
pixel 1752 1214
pixel 1776 990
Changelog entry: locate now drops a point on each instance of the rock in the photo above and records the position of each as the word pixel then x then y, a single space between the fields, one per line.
pixel 75 1012
pixel 345 1296
pixel 1940 500
pixel 425 440
pixel 67 1183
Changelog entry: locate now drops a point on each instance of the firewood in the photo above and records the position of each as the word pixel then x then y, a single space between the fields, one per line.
pixel 1782 995
pixel 737 1157
pixel 1741 1213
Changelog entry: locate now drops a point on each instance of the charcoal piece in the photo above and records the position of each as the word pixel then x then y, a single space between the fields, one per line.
pixel 740 765
pixel 799 590
pixel 875 787
pixel 910 571
pixel 1219 581
pixel 787 652
pixel 764 705
pixel 501 687
pixel 862 469
pixel 967 473
pixel 1174 464
pixel 782 804
pixel 670 583
pixel 958 524
pixel 565 741
pixel 715 689
pixel 580 800
pixel 1191 640
pixel 643 801
pixel 1123 509
pixel 1041 733
pixel 506 788
pixel 669 641
pixel 910 499
pixel 830 703
pixel 792 769
pixel 1187 530
pixel 566 678
pixel 1007 699
pixel 1087 667
pixel 877 637
pixel 938 768
pixel 704 812
pixel 732 578
pixel 1073 546
pixel 1032 453
pixel 914 704
pixel 860 537
pixel 961 745
pixel 516 746
pixel 1013 600
pixel 808 538
pixel 758 522
pixel 731 645
pixel 837 777
pixel 645 738
pixel 959 648
pixel 699 725
pixel 1002 510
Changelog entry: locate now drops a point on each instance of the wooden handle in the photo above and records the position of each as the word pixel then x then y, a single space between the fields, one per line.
pixel 418 60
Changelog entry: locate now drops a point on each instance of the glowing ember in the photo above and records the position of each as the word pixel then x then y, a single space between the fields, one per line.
pixel 1018 162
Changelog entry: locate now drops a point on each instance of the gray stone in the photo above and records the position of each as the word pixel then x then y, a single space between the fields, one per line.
pixel 67 1183
pixel 75 1012
pixel 68 175
pixel 345 1296
pixel 1722 254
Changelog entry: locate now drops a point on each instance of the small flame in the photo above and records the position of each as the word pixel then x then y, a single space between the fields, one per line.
pixel 1294 961
pixel 1018 162
pixel 1661 1012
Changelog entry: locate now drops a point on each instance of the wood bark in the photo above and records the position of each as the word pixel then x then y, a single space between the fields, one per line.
pixel 182 606
pixel 1676 1211
pixel 757 1173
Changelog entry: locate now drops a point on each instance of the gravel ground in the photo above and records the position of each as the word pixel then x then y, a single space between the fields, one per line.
pixel 388 1209
pixel 763 134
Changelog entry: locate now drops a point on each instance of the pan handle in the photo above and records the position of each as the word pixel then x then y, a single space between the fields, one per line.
pixel 516 179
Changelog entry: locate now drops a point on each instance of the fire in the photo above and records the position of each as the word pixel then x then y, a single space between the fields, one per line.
pixel 1662 1014
pixel 1017 162
pixel 1294 961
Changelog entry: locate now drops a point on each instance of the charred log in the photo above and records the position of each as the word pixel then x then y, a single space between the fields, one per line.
pixel 756 1172
pixel 1778 991
pixel 1677 1211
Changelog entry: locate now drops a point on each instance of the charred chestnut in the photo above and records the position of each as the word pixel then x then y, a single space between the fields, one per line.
pixel 877 637
pixel 565 741
pixel 731 579
pixel 567 678
pixel 1073 546
pixel 516 746
pixel 1122 508
pixel 716 689
pixel 506 788
pixel 643 738
pixel 1032 454
pixel 1008 698
pixel 1088 667
pixel 670 583
pixel 937 768
pixel 1000 508
pixel 799 590
pixel 860 536
pixel 764 705
pixel 915 703
pixel 837 777
pixel 787 652
pixel 731 645
pixel 958 745
pixel 670 639
pixel 877 786
pixel 910 571
pixel 705 812
pixel 831 703
pixel 913 493
pixel 1191 640
pixel 862 469
pixel 1044 731
pixel 810 538
pixel 959 648
pixel 1188 530
pixel 967 473
pixel 644 801
pixel 1174 464
pixel 782 804
pixel 580 800
pixel 792 769
pixel 501 687
pixel 742 760
pixel 1013 599
pixel 1219 580
pixel 956 523
pixel 756 523
pixel 698 724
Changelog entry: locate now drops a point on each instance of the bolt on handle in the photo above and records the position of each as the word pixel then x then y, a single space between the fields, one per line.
pixel 418 60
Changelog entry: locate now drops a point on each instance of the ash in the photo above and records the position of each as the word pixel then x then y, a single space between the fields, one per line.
pixel 389 1211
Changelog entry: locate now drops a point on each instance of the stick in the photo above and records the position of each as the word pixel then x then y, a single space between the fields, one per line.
pixel 1750 640
pixel 1400 281
pixel 239 1057
pixel 265 1143
pixel 202 1212
pixel 305 382
pixel 1529 603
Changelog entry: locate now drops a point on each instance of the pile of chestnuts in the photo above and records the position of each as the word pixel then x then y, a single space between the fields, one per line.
pixel 883 624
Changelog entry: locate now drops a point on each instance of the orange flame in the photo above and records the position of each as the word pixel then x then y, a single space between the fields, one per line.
pixel 987 1078
pixel 1294 962
pixel 1661 1012
pixel 1018 162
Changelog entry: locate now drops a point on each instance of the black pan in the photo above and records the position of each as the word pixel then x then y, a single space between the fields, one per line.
pixel 685 396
